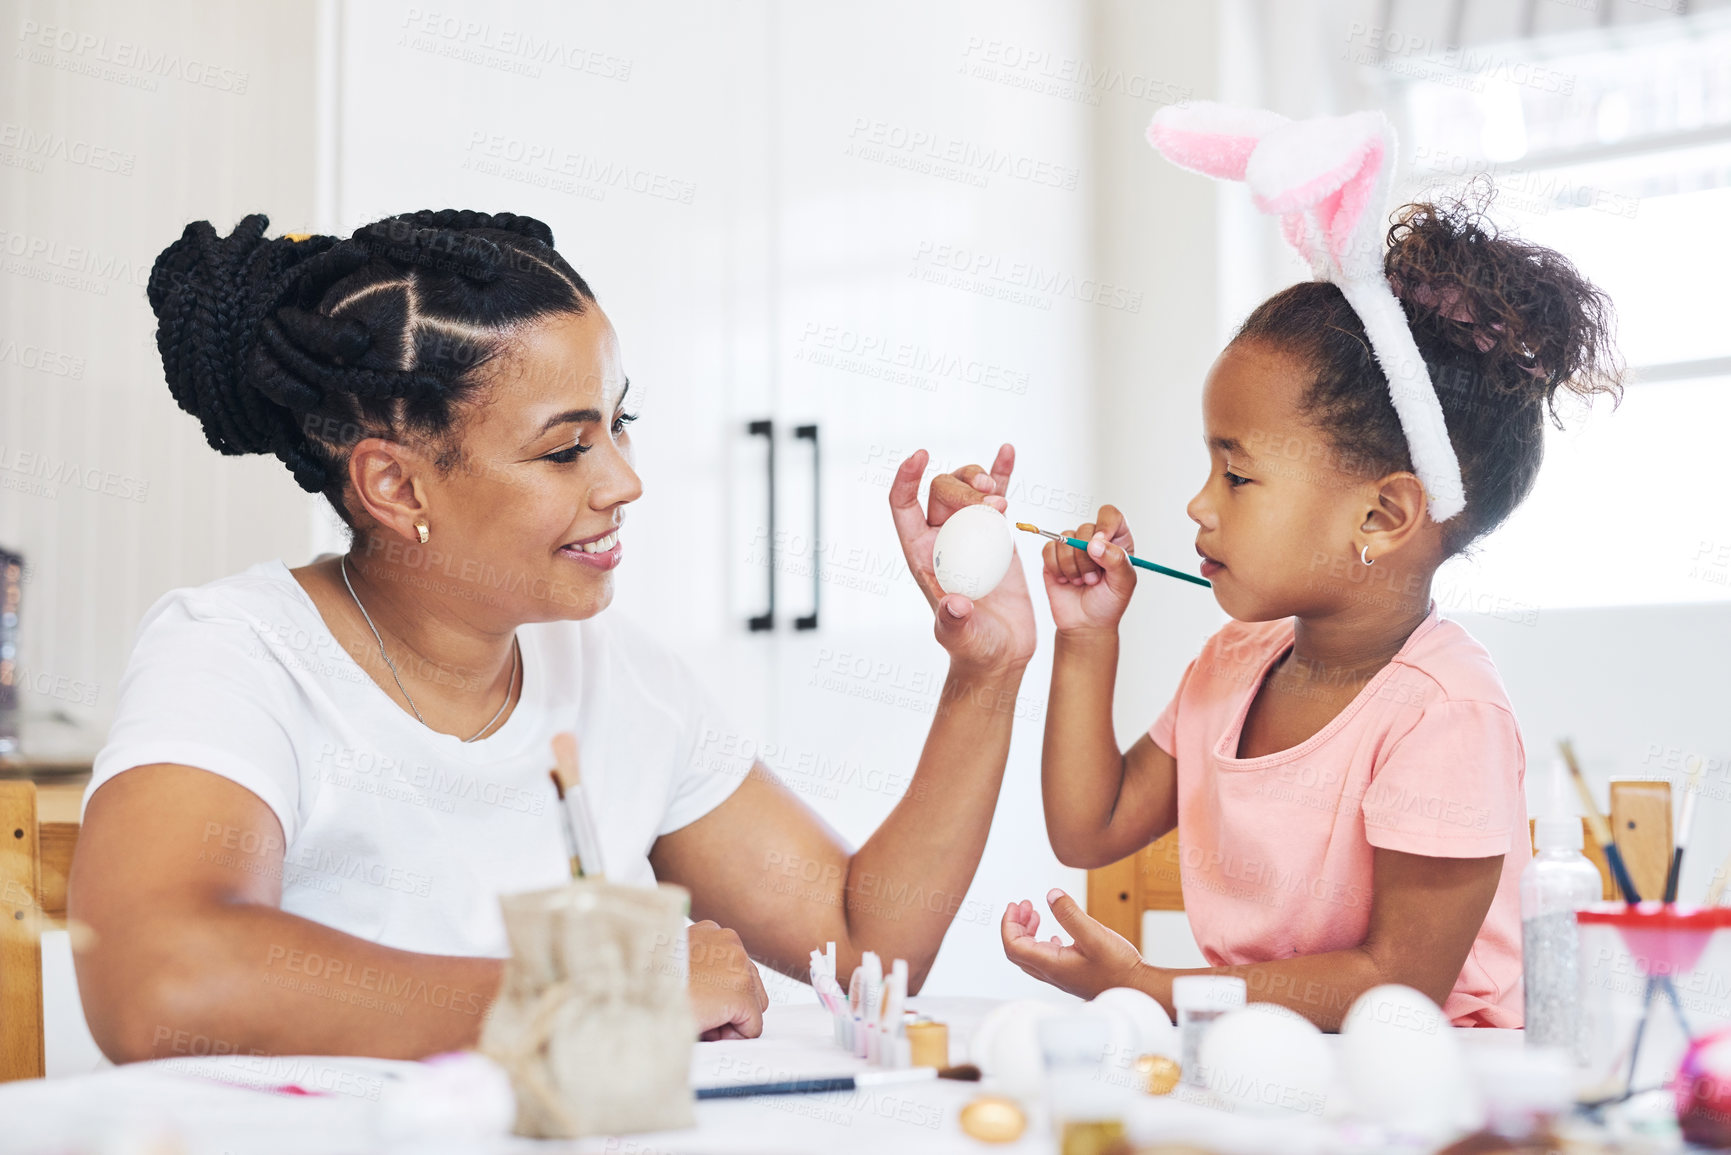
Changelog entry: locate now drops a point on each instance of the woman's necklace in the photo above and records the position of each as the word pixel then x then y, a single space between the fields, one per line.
pixel 516 659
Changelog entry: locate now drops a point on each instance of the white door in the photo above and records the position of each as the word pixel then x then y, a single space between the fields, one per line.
pixel 795 215
pixel 933 227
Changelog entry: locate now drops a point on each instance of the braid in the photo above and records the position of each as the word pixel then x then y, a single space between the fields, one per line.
pixel 301 348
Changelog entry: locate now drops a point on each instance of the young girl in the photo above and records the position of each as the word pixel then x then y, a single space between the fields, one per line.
pixel 1342 763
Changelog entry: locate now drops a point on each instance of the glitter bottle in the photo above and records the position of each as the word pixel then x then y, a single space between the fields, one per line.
pixel 1555 884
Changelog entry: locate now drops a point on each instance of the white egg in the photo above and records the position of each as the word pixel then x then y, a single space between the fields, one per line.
pixel 973 551
pixel 1140 1024
pixel 1403 1066
pixel 1006 1047
pixel 1265 1060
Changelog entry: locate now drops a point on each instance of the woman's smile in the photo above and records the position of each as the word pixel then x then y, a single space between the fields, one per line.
pixel 602 551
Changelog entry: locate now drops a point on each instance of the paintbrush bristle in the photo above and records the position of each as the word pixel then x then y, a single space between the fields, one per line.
pixel 565 753
pixel 558 784
pixel 1026 528
pixel 1595 819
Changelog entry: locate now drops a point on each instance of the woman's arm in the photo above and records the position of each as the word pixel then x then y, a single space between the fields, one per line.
pixel 179 876
pixel 764 863
pixel 1424 915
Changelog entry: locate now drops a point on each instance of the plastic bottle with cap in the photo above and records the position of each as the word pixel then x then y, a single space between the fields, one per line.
pixel 1554 885
pixel 1199 1000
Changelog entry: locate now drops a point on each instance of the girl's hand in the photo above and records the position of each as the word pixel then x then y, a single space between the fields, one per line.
pixel 1097 960
pixel 1090 591
pixel 995 633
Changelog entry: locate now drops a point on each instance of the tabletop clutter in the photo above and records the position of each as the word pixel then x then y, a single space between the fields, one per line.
pixel 593 1028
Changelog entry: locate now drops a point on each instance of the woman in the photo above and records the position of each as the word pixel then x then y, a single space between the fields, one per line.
pixel 320 780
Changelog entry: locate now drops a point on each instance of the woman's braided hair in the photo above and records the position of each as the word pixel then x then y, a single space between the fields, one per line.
pixel 302 347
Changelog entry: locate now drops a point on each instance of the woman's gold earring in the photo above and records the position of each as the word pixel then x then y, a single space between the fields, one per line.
pixel 421 531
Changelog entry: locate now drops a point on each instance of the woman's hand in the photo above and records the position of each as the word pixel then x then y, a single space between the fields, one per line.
pixel 997 631
pixel 1097 960
pixel 1090 591
pixel 727 996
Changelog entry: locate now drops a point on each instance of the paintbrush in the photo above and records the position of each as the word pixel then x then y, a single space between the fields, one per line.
pixel 965 1073
pixel 1078 543
pixel 579 822
pixel 565 826
pixel 1600 827
pixel 1685 820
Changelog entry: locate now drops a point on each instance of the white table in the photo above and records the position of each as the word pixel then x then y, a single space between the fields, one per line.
pixel 88 1112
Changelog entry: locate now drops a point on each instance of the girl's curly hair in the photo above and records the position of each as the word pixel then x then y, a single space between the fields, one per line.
pixel 1503 325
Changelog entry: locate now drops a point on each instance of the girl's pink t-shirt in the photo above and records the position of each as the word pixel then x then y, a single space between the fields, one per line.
pixel 1276 851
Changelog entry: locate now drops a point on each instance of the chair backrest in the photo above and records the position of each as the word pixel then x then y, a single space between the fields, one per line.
pixel 1149 879
pixel 35 862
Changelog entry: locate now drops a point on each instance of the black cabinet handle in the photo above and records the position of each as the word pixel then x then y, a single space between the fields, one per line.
pixel 809 621
pixel 766 429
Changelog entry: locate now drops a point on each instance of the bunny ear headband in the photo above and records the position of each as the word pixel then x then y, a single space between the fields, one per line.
pixel 1328 181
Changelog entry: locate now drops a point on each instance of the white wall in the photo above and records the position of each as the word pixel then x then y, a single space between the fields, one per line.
pixel 131 122
pixel 126 124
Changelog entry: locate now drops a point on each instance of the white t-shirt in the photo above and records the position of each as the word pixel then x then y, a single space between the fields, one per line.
pixel 396 833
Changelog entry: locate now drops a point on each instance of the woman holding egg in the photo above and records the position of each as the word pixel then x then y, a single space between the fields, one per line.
pixel 321 780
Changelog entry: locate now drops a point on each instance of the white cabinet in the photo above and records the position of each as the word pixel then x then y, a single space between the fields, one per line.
pixel 805 215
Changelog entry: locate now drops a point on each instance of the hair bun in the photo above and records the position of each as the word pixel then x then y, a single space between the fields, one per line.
pixel 210 293
pixel 1518 314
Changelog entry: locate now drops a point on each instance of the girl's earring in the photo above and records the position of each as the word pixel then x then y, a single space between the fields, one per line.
pixel 1363 554
pixel 422 532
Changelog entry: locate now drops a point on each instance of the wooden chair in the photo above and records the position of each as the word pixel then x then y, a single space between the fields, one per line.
pixel 35 862
pixel 1148 880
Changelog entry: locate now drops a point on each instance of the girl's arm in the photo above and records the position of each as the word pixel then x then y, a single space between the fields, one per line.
pixel 1100 804
pixel 1424 915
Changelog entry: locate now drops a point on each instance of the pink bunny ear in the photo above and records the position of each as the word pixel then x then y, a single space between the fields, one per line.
pixel 1213 139
pixel 1333 174
pixel 1328 181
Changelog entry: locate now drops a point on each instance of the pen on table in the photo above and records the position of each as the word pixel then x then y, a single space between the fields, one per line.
pixel 1144 563
pixel 965 1073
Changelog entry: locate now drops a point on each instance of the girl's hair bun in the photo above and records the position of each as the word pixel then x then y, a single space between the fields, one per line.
pixel 1517 315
